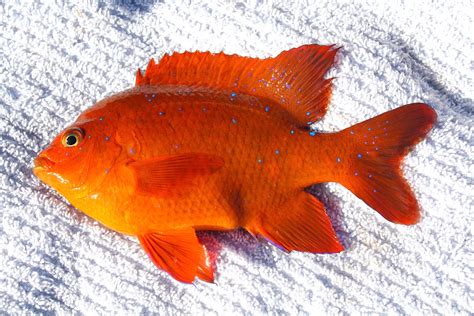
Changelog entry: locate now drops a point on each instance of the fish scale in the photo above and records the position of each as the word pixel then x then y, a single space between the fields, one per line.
pixel 217 142
pixel 200 126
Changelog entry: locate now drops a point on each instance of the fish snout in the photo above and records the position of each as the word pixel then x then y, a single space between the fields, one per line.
pixel 42 163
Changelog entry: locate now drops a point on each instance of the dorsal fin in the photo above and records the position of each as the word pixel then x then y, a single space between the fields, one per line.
pixel 294 79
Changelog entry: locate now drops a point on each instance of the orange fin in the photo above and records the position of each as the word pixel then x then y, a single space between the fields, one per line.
pixel 179 253
pixel 301 224
pixel 294 79
pixel 165 175
pixel 372 167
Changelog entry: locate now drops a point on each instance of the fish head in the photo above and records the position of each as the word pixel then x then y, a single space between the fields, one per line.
pixel 79 158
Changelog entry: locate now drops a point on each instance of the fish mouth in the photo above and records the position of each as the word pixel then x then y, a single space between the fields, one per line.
pixel 42 164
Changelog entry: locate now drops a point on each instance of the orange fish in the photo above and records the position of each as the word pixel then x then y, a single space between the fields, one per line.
pixel 216 142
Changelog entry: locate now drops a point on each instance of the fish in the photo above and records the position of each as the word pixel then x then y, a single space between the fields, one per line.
pixel 207 141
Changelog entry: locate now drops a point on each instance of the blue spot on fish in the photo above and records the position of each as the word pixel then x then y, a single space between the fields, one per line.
pixel 292 132
pixel 277 152
pixel 267 109
pixel 352 132
pixel 234 120
pixel 375 190
pixel 359 155
pixel 106 171
pixel 162 113
pixel 132 151
pixel 312 133
pixel 369 129
pixel 101 118
pixel 356 173
pixel 107 138
pixel 308 113
pixel 309 123
pixel 370 176
pixel 338 159
pixel 288 86
pixel 260 160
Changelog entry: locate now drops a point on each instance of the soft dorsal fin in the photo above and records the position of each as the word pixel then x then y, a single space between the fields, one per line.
pixel 294 79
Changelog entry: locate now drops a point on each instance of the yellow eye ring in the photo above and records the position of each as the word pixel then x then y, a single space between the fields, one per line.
pixel 73 137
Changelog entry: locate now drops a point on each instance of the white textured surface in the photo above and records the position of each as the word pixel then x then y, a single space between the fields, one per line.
pixel 56 60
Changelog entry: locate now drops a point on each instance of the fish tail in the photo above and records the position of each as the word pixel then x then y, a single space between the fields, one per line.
pixel 370 164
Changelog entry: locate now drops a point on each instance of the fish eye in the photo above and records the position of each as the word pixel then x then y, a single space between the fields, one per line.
pixel 72 137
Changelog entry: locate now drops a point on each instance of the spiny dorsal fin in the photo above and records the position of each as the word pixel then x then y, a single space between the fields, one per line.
pixel 294 79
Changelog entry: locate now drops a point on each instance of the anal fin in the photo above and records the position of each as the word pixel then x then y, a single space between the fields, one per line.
pixel 301 224
pixel 179 253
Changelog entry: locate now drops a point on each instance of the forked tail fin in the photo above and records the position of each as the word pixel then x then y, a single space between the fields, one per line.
pixel 371 165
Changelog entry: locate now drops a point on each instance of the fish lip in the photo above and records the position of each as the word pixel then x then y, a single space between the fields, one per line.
pixel 42 163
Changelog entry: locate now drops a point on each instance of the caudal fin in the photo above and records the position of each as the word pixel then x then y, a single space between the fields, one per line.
pixel 371 168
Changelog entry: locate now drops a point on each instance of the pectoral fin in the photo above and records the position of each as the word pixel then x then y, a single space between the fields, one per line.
pixel 163 176
pixel 179 253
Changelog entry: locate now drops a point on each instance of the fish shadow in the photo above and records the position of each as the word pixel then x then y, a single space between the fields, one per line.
pixel 410 63
pixel 334 211
pixel 124 9
pixel 240 242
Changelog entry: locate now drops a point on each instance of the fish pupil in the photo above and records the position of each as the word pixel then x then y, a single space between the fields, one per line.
pixel 71 140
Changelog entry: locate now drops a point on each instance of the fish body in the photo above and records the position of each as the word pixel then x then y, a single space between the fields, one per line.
pixel 217 142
